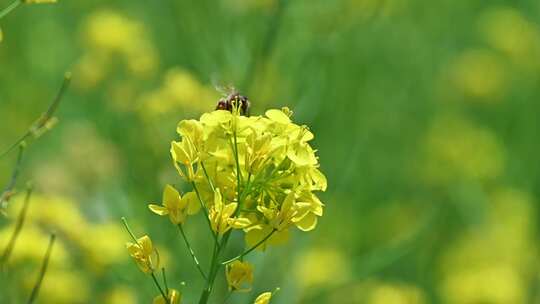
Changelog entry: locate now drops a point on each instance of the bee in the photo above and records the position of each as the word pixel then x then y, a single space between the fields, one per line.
pixel 234 99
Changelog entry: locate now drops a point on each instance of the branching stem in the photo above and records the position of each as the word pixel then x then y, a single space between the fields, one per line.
pixel 248 251
pixel 45 117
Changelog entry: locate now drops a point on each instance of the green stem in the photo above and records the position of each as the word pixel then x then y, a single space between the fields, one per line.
pixel 18 227
pixel 214 267
pixel 205 210
pixel 165 297
pixel 10 8
pixel 236 159
pixel 193 256
pixel 243 254
pixel 208 177
pixel 129 230
pixel 45 117
pixel 8 191
pixel 165 280
pixel 44 265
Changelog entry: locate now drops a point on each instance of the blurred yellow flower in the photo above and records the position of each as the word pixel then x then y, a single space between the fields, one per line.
pixel 480 74
pixel 82 247
pixel 142 252
pixel 80 142
pixel 177 207
pixel 180 90
pixel 31 245
pixel 458 149
pixel 109 35
pixel 239 273
pixel 508 30
pixel 396 294
pixel 321 268
pixel 61 287
pixel 100 246
pixel 121 295
pixel 495 284
pixel 492 261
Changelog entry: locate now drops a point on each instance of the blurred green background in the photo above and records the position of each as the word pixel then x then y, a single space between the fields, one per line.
pixel 426 119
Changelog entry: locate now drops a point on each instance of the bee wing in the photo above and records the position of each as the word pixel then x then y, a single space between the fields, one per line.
pixel 225 90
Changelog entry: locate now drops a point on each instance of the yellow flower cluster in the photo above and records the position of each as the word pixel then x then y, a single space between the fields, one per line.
pixel 257 173
pixel 253 174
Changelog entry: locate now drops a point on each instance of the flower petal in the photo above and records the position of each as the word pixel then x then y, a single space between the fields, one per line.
pixel 171 196
pixel 307 223
pixel 193 203
pixel 157 209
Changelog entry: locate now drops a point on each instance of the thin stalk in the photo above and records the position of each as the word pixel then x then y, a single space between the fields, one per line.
pixel 214 266
pixel 165 280
pixel 44 265
pixel 8 191
pixel 10 8
pixel 243 254
pixel 193 256
pixel 208 177
pixel 124 221
pixel 18 227
pixel 165 297
pixel 234 147
pixel 205 210
pixel 44 118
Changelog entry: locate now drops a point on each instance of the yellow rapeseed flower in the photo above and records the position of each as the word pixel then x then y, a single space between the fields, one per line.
pixel 176 206
pixel 221 215
pixel 239 273
pixel 142 252
pixel 185 156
